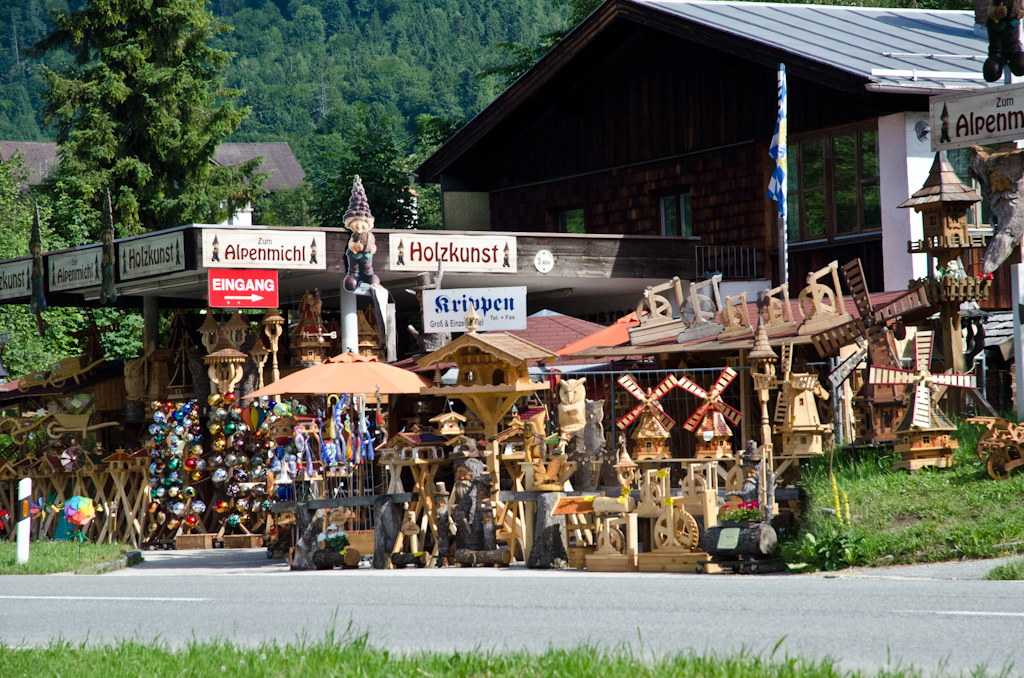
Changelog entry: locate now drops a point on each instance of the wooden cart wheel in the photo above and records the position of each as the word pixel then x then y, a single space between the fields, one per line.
pixel 58 382
pixel 684 529
pixel 616 539
pixel 989 442
pixel 997 462
pixel 655 306
pixel 700 483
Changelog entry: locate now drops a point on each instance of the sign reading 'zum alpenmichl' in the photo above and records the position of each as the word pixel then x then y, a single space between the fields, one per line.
pixel 985 116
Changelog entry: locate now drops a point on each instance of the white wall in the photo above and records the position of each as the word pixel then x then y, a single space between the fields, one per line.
pixel 905 161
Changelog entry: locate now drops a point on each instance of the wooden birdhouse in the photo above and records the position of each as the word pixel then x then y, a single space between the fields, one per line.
pixel 448 423
pixel 943 202
pixel 307 339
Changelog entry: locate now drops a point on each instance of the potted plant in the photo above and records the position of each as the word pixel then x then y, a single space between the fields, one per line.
pixel 744 515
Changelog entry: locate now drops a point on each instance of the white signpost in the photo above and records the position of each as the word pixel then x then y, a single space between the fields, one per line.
pixel 16 279
pixel 144 257
pixel 75 270
pixel 500 308
pixel 265 249
pixel 460 253
pixel 984 116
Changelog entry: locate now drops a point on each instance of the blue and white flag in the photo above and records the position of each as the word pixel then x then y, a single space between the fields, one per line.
pixel 777 186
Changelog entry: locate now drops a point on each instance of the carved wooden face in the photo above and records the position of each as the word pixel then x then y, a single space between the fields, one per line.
pixel 571 391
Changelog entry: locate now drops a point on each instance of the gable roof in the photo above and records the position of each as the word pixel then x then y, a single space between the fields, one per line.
pixel 41 158
pixel 886 51
pixel 503 345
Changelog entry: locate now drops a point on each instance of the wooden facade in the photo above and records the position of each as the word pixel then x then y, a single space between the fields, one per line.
pixel 637 103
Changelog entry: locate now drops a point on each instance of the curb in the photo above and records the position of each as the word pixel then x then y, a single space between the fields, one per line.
pixel 131 558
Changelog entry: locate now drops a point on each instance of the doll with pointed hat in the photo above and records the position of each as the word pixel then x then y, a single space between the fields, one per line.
pixel 361 244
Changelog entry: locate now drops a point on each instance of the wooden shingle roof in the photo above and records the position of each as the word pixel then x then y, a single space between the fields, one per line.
pixel 507 347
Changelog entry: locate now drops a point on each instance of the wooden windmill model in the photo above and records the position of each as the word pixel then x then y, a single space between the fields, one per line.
pixel 879 405
pixel 710 421
pixel 651 434
pixel 924 431
pixel 796 410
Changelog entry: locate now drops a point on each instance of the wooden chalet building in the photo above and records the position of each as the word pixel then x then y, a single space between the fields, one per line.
pixel 655 118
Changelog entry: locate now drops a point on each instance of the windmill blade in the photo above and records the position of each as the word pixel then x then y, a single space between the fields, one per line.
pixel 698 414
pixel 831 340
pixel 923 343
pixel 662 417
pixel 914 303
pixel 627 382
pixel 853 274
pixel 843 371
pixel 730 413
pixel 891 375
pixel 956 380
pixel 724 379
pixel 666 385
pixel 630 416
pixel 787 359
pixel 782 407
pixel 690 387
pixel 922 406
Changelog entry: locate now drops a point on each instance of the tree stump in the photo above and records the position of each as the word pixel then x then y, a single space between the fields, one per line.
pixel 757 541
pixel 548 535
pixel 323 559
pixel 349 558
pixel 386 526
pixel 306 531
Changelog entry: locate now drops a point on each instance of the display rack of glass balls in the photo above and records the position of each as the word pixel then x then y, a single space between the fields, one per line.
pixel 238 466
pixel 175 448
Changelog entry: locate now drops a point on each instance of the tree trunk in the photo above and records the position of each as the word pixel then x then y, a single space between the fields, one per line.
pixel 387 522
pixel 350 558
pixel 403 559
pixel 548 550
pixel 444 534
pixel 583 479
pixel 306 531
pixel 758 541
pixel 323 560
pixel 500 556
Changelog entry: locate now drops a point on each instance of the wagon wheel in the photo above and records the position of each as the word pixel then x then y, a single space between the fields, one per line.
pixel 684 529
pixel 58 382
pixel 616 539
pixel 655 306
pixel 990 441
pixel 997 462
pixel 19 437
pixel 700 483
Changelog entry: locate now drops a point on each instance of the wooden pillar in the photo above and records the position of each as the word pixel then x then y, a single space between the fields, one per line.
pixel 746 427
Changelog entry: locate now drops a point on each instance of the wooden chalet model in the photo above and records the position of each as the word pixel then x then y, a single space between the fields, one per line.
pixel 943 202
pixel 710 421
pixel 796 410
pixel 307 339
pixel 650 437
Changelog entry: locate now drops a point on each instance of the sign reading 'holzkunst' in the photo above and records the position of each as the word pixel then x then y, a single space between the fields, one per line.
pixel 16 279
pixel 264 248
pixel 985 116
pixel 149 256
pixel 461 253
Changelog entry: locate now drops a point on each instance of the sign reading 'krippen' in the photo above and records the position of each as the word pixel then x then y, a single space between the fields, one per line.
pixel 74 270
pixel 16 279
pixel 500 308
pixel 986 116
pixel 264 249
pixel 150 256
pixel 243 289
pixel 414 251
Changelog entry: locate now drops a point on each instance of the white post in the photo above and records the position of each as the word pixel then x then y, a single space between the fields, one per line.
pixel 1016 297
pixel 24 522
pixel 349 322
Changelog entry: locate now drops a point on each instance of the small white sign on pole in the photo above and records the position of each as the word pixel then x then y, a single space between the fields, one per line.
pixel 24 522
pixel 984 116
pixel 500 308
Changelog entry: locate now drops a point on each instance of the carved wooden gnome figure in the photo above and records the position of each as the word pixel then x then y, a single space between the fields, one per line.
pixel 1003 26
pixel 361 244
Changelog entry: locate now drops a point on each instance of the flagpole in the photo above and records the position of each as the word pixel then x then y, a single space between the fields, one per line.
pixel 783 231
pixel 778 185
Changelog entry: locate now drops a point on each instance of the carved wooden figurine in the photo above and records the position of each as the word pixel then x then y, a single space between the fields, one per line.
pixel 699 312
pixel 734 318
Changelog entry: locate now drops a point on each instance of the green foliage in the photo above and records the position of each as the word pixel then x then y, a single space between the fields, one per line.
pixel 49 557
pixel 287 207
pixel 337 543
pixel 1011 571
pixel 748 510
pixel 139 112
pixel 834 548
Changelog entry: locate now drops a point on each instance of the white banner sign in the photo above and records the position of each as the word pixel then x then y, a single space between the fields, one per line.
pixel 16 279
pixel 229 248
pixel 75 270
pixel 500 308
pixel 985 116
pixel 420 251
pixel 150 256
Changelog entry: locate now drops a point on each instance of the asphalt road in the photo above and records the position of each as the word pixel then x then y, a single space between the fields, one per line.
pixel 928 616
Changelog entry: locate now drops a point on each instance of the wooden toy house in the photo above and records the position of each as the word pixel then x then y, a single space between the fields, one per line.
pixel 943 203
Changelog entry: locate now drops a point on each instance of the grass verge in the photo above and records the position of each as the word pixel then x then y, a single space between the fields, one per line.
pixel 1013 570
pixel 47 557
pixel 933 515
pixel 354 656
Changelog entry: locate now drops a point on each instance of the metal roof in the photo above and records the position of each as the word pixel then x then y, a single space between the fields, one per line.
pixel 912 50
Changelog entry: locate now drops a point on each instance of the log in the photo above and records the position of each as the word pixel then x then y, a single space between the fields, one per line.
pixel 387 522
pixel 500 557
pixel 323 560
pixel 402 559
pixel 757 541
pixel 350 558
pixel 548 550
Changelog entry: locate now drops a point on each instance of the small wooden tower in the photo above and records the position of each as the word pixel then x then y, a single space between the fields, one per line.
pixel 796 410
pixel 943 202
pixel 180 385
pixel 307 339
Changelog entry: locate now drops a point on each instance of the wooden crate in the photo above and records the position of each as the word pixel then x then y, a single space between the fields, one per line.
pixel 578 556
pixel 361 540
pixel 189 542
pixel 243 541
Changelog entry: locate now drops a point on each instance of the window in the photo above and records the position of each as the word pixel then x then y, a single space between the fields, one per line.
pixel 833 186
pixel 980 215
pixel 675 215
pixel 571 221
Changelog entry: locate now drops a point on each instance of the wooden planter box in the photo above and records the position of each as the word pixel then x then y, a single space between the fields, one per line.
pixel 243 541
pixel 578 556
pixel 361 540
pixel 958 289
pixel 191 542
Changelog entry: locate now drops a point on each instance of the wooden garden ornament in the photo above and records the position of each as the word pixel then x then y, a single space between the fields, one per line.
pixel 361 244
pixel 225 365
pixel 1004 50
pixel 826 303
pixel 710 421
pixel 699 312
pixel 777 311
pixel 1001 176
pixel 427 342
pixel 650 437
pixel 762 359
pixel 735 321
pixel 656 315
pixel 796 410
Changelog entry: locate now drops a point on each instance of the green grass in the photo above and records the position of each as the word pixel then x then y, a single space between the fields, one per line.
pixel 933 515
pixel 47 557
pixel 353 656
pixel 1013 570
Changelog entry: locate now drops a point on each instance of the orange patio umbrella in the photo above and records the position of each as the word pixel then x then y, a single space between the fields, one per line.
pixel 346 373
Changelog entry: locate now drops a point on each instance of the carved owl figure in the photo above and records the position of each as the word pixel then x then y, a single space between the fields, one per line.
pixel 572 394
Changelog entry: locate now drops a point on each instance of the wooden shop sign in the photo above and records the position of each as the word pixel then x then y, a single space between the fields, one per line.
pixel 460 253
pixel 986 116
pixel 16 279
pixel 242 289
pixel 257 248
pixel 500 308
pixel 74 270
pixel 152 255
